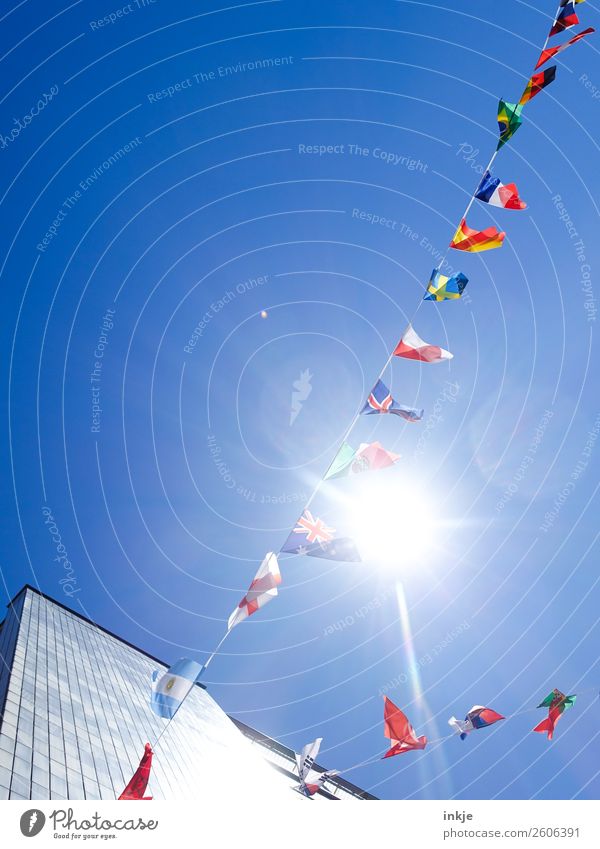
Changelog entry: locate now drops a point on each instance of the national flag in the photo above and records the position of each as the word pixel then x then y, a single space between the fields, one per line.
pixel 368 457
pixel 442 288
pixel 342 549
pixel 381 401
pixel 554 51
pixel 509 120
pixel 537 83
pixel 308 530
pixel 567 18
pixel 474 241
pixel 399 731
pixel 262 590
pixel 172 687
pixel 306 758
pixel 137 786
pixel 412 347
pixel 314 781
pixel 312 537
pixel 477 717
pixel 492 191
pixel 557 703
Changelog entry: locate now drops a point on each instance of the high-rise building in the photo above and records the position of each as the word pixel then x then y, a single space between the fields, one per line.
pixel 75 715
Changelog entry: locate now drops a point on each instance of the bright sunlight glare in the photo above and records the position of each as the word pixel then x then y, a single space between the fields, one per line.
pixel 392 523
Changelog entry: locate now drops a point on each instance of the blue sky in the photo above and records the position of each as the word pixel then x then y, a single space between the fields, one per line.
pixel 171 172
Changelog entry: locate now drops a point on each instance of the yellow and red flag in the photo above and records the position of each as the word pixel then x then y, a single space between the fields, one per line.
pixel 466 239
pixel 537 83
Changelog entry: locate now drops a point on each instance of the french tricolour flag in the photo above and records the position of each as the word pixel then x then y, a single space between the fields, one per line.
pixel 492 191
pixel 413 347
pixel 171 688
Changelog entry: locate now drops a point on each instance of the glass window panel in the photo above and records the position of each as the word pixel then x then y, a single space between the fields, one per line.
pixel 39 792
pixel 58 785
pixel 19 785
pixel 41 776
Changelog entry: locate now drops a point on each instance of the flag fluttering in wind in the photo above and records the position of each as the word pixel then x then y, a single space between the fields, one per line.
pixel 312 537
pixel 307 757
pixel 492 191
pixel 477 717
pixel 474 241
pixel 557 703
pixel 262 590
pixel 567 18
pixel 509 120
pixel 399 731
pixel 441 288
pixel 554 51
pixel 137 786
pixel 314 781
pixel 537 83
pixel 412 347
pixel 172 687
pixel 381 401
pixel 368 457
pixel 309 530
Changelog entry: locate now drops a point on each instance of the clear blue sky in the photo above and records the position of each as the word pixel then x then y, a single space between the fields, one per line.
pixel 180 136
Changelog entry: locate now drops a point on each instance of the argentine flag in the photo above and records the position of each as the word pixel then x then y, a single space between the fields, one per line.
pixel 171 688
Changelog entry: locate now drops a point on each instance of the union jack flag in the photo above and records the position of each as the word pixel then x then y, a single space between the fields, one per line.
pixel 315 529
pixel 380 401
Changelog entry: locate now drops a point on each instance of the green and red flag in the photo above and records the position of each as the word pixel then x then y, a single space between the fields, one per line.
pixel 557 703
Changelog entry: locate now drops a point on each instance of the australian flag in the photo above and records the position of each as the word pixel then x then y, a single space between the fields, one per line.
pixel 380 401
pixel 312 537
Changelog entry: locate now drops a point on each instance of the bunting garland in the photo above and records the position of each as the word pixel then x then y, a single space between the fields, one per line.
pixel 311 536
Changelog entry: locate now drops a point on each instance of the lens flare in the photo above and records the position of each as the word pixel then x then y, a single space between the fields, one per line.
pixel 391 523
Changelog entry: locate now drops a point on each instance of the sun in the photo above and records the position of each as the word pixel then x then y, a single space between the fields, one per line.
pixel 392 523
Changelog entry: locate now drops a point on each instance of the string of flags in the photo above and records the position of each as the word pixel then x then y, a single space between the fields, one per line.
pixel 403 737
pixel 397 728
pixel 313 537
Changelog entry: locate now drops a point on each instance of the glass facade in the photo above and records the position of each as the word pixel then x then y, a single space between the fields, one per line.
pixel 74 702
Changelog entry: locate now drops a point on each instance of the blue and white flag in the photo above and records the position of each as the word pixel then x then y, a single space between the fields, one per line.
pixel 171 688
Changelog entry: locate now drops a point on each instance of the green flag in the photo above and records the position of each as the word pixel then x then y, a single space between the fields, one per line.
pixel 341 462
pixel 509 120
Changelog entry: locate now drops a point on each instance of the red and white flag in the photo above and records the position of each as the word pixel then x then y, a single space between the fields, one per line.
pixel 262 589
pixel 399 731
pixel 412 347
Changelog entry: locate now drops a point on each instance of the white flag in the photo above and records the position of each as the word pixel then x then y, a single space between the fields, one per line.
pixel 307 757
